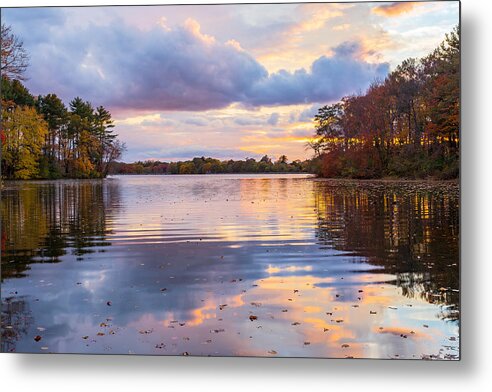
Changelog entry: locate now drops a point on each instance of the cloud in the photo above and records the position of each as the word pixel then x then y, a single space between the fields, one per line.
pixel 315 17
pixel 273 119
pixel 176 68
pixel 248 121
pixel 341 27
pixel 307 115
pixel 199 122
pixel 394 9
pixel 329 79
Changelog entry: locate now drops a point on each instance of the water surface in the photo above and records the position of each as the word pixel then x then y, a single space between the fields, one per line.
pixel 256 265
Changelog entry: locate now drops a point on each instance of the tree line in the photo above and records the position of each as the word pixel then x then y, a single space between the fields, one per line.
pixel 404 126
pixel 213 166
pixel 41 137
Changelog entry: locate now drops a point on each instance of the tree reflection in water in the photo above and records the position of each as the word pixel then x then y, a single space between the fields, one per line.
pixel 324 262
pixel 41 222
pixel 409 229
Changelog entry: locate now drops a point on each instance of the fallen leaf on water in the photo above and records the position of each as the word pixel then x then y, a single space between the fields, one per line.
pixel 108 303
pixel 372 312
pixel 37 338
pixel 257 304
pixel 100 334
pixel 296 323
pixel 284 310
pixel 345 346
pixel 325 329
pixel 85 337
pixel 252 318
pixel 272 352
pixel 307 343
pixel 221 307
pixel 339 321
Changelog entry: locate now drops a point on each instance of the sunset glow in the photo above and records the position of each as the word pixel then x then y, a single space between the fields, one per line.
pixel 225 81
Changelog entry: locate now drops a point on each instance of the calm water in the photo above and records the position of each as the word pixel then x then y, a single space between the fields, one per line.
pixel 263 265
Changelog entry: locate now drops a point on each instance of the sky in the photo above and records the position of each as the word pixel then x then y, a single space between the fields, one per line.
pixel 225 81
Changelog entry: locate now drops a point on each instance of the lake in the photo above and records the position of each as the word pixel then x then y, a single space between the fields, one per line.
pixel 231 265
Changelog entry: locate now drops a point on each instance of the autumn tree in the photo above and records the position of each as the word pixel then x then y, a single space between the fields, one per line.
pixel 24 133
pixel 406 125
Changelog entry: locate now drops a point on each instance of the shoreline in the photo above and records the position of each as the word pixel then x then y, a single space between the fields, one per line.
pixel 312 176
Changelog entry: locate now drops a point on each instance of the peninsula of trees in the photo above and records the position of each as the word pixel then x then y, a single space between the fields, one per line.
pixel 40 136
pixel 406 126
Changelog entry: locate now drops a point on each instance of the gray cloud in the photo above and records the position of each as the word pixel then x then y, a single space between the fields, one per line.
pixel 123 67
pixel 273 120
pixel 199 122
pixel 309 113
pixel 247 121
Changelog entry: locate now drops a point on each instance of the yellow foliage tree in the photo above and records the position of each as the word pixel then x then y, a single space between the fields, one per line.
pixel 24 132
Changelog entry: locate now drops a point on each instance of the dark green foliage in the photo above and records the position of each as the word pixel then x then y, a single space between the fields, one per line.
pixel 214 166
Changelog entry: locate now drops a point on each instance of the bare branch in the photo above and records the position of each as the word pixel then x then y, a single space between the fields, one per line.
pixel 14 58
